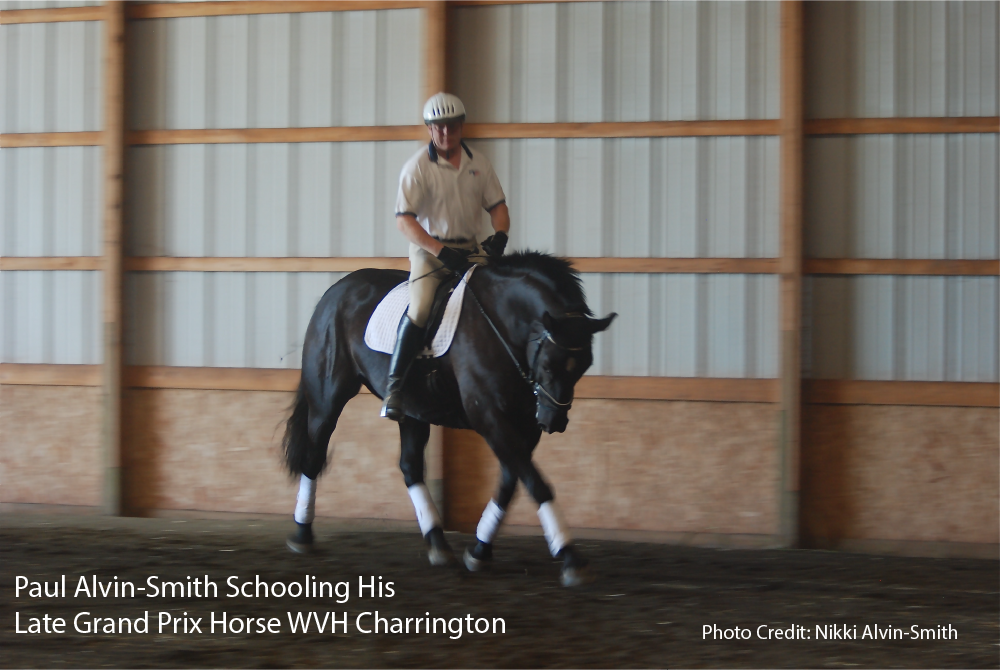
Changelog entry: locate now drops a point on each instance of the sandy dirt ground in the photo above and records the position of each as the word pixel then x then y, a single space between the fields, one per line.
pixel 648 608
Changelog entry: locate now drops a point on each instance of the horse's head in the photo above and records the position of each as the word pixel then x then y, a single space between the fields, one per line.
pixel 559 352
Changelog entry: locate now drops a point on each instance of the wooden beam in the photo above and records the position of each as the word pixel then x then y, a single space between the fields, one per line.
pixel 174 10
pixel 790 216
pixel 114 169
pixel 894 266
pixel 698 389
pixel 292 264
pixel 21 140
pixel 679 388
pixel 349 264
pixel 51 15
pixel 226 379
pixel 677 265
pixel 934 125
pixel 277 135
pixel 945 394
pixel 491 3
pixel 49 263
pixel 621 129
pixel 50 375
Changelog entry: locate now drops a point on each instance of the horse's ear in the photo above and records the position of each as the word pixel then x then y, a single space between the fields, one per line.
pixel 598 325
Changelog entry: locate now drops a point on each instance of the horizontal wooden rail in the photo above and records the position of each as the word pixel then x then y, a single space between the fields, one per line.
pixel 702 389
pixel 48 263
pixel 725 128
pixel 901 126
pixel 622 129
pixel 816 266
pixel 292 264
pixel 901 266
pixel 278 135
pixel 31 374
pixel 679 388
pixel 677 265
pixel 51 15
pixel 174 10
pixel 23 140
pixel 349 264
pixel 858 392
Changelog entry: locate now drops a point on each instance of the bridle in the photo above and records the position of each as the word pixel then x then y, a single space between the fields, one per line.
pixel 531 376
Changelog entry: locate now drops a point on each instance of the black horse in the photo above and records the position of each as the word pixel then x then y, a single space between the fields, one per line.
pixel 523 341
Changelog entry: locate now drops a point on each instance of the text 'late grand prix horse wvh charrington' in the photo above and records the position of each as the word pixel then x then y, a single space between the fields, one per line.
pixel 523 341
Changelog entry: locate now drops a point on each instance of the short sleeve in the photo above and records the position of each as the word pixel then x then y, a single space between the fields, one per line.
pixel 492 191
pixel 411 193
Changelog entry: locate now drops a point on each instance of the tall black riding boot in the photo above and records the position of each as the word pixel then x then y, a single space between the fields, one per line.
pixel 409 342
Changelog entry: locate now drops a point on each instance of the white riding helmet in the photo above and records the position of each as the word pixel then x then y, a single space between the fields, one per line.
pixel 443 107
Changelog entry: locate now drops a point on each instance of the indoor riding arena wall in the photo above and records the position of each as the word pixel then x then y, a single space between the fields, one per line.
pixel 643 140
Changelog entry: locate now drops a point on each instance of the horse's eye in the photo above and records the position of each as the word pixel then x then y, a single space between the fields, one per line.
pixel 570 364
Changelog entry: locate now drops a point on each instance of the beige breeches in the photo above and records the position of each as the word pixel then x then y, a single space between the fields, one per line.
pixel 426 272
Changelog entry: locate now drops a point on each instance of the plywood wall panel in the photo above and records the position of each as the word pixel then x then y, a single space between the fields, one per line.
pixel 639 465
pixel 900 473
pixel 220 451
pixel 50 445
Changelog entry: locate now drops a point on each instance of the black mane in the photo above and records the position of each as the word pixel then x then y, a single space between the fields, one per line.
pixel 558 271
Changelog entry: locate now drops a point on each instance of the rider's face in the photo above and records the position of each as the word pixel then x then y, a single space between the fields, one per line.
pixel 446 136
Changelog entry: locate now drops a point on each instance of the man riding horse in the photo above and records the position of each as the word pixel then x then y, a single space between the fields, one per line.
pixel 438 210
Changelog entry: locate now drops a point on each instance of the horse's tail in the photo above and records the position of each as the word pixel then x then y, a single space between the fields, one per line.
pixel 295 444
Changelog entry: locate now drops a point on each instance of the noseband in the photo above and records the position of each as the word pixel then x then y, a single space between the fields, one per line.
pixel 531 377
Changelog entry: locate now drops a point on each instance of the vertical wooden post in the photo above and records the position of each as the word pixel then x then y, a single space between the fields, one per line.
pixel 791 266
pixel 435 48
pixel 113 159
pixel 435 81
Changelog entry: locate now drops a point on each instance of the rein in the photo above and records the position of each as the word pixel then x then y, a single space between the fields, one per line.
pixel 526 376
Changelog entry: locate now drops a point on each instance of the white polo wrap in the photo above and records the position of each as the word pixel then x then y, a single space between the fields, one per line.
pixel 427 514
pixel 305 502
pixel 490 523
pixel 554 526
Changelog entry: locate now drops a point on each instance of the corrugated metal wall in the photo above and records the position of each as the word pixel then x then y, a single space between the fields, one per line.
pixel 50 197
pixel 314 199
pixel 902 196
pixel 678 197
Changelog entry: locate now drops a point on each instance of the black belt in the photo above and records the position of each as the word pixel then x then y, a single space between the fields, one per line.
pixel 453 240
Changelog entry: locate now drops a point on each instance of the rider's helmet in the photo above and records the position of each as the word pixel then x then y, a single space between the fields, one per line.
pixel 443 107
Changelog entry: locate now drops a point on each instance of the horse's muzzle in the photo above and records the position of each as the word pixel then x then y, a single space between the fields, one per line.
pixel 552 421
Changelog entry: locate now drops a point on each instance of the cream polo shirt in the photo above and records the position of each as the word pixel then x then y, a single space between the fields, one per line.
pixel 446 201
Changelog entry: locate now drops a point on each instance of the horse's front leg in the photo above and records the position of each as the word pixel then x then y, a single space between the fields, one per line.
pixel 477 557
pixel 413 437
pixel 514 453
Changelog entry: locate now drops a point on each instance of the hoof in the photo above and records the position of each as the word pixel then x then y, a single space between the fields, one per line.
pixel 472 563
pixel 438 550
pixel 576 576
pixel 576 570
pixel 301 541
pixel 478 557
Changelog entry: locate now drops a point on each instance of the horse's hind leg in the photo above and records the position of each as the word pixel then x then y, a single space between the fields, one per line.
pixel 413 437
pixel 307 440
pixel 481 554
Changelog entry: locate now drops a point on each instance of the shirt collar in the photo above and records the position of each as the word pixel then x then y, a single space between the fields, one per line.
pixel 433 154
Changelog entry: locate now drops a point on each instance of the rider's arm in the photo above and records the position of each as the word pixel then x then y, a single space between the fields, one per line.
pixel 414 232
pixel 500 218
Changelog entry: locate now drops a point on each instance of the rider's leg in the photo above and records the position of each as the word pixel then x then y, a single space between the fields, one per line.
pixel 410 338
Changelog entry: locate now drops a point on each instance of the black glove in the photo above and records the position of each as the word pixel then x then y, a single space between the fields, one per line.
pixel 455 260
pixel 495 244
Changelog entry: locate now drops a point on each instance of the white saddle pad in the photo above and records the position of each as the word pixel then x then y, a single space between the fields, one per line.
pixel 380 335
